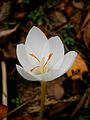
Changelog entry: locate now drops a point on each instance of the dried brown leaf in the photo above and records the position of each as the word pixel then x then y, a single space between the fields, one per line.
pixel 59 16
pixel 20 15
pixel 3 110
pixel 86 35
pixel 86 30
pixel 78 68
pixel 4 10
pixel 8 32
pixel 79 4
pixel 69 9
pixel 27 117
pixel 54 89
pixel 18 118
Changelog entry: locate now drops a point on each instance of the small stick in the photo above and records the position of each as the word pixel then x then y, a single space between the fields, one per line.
pixel 4 84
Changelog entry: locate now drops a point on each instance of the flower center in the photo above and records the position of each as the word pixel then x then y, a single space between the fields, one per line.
pixel 43 64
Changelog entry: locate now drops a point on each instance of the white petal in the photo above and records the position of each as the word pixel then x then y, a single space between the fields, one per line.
pixel 35 41
pixel 51 75
pixel 58 64
pixel 55 73
pixel 45 51
pixel 25 74
pixel 22 57
pixel 57 48
pixel 68 61
pixel 27 61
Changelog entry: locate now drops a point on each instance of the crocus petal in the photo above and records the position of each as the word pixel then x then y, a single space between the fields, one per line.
pixel 51 75
pixel 22 57
pixel 45 51
pixel 25 74
pixel 35 41
pixel 67 62
pixel 27 61
pixel 57 48
pixel 55 73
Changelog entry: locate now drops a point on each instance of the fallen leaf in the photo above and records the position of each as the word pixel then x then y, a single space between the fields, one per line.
pixel 61 4
pixel 18 118
pixel 69 10
pixel 77 69
pixel 76 20
pixel 86 35
pixel 3 110
pixel 27 117
pixel 54 89
pixel 20 15
pixel 85 28
pixel 87 18
pixel 60 17
pixel 4 10
pixel 78 4
pixel 8 32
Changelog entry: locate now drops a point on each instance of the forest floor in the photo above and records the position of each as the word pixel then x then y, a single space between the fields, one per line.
pixel 69 19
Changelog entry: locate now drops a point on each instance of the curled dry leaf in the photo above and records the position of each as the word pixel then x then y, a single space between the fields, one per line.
pixel 85 27
pixel 60 17
pixel 54 89
pixel 3 110
pixel 78 4
pixel 86 35
pixel 77 69
pixel 8 32
pixel 5 10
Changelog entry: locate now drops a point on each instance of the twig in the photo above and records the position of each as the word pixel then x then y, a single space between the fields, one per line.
pixel 4 84
pixel 79 104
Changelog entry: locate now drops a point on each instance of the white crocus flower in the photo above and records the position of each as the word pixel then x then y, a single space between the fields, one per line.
pixel 43 59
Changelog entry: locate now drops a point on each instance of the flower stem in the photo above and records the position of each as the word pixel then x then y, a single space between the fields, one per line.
pixel 43 91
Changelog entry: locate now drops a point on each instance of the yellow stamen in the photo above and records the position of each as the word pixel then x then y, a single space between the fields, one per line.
pixel 42 68
pixel 49 57
pixel 34 68
pixel 35 57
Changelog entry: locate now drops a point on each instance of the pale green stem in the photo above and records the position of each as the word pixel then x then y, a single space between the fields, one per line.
pixel 43 92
